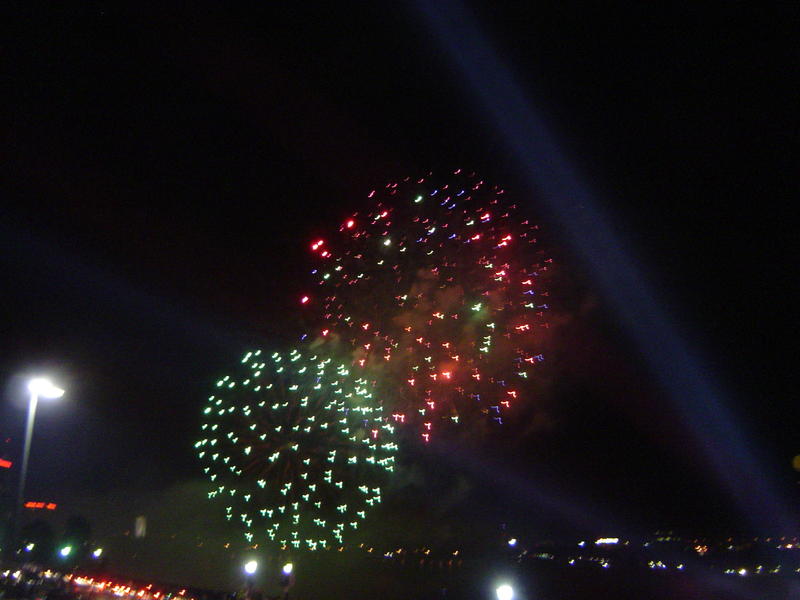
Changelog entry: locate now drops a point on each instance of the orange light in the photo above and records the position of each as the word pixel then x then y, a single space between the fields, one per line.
pixel 38 505
pixel 5 464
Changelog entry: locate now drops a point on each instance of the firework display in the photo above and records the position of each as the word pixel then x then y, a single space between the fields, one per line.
pixel 436 294
pixel 296 448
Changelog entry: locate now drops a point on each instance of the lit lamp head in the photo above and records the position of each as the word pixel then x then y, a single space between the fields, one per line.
pixel 65 551
pixel 287 568
pixel 44 388
pixel 250 567
pixel 505 592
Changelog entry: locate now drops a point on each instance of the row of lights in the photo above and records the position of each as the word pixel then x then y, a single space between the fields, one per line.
pixel 251 566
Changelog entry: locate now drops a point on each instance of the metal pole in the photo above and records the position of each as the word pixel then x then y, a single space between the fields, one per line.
pixel 24 472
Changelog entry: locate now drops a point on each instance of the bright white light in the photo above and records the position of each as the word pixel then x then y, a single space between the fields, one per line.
pixel 250 567
pixel 30 547
pixel 65 551
pixel 44 388
pixel 505 592
pixel 609 540
pixel 97 552
pixel 287 568
pixel 512 542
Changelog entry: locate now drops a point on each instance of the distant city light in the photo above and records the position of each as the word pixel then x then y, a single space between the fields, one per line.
pixel 512 542
pixel 505 592
pixel 609 540
pixel 30 547
pixel 287 568
pixel 97 552
pixel 65 551
pixel 39 505
pixel 250 567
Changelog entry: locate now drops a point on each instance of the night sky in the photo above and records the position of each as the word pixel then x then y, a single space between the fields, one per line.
pixel 162 175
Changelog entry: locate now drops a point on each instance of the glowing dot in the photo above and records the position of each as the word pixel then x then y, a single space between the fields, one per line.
pixel 505 592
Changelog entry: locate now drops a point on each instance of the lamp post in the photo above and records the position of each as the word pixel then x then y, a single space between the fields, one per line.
pixel 39 387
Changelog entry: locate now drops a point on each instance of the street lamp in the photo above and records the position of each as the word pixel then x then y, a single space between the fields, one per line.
pixel 504 592
pixel 250 567
pixel 38 387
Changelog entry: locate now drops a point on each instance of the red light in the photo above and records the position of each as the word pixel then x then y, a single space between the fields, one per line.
pixel 317 244
pixel 350 224
pixel 304 300
pixel 37 505
pixel 5 464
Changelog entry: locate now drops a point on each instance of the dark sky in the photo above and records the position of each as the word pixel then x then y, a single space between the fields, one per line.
pixel 162 174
